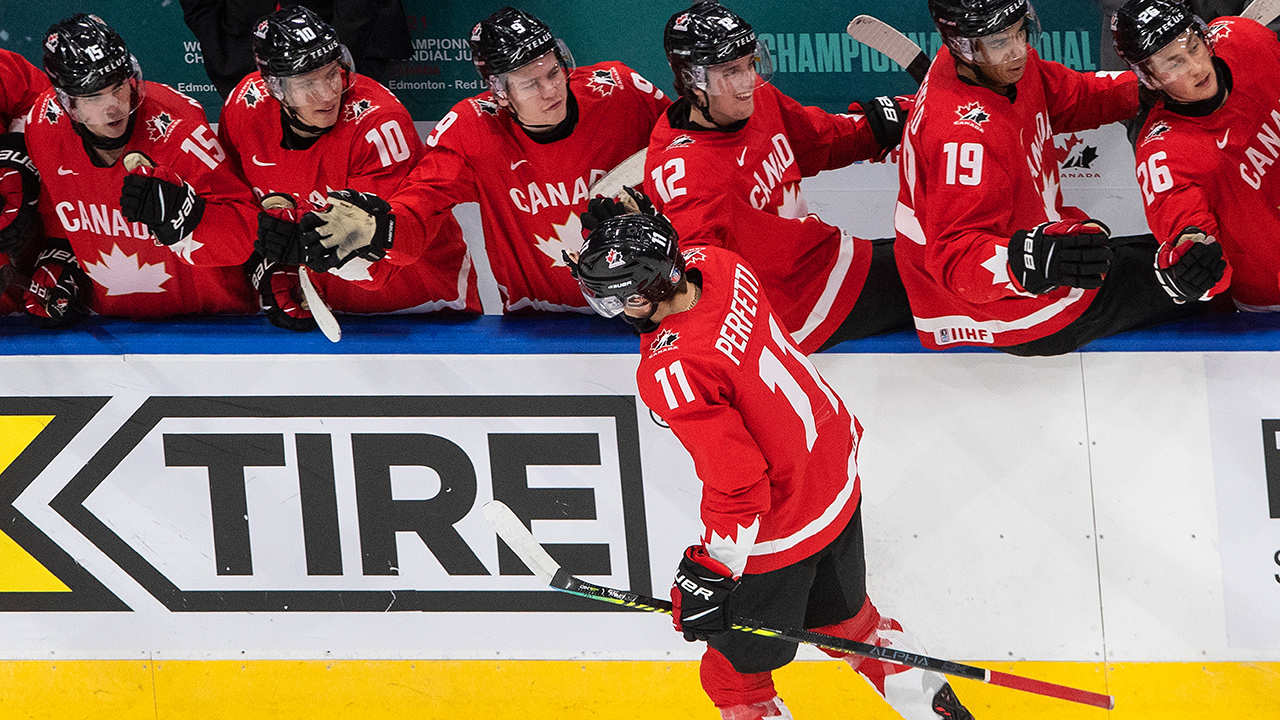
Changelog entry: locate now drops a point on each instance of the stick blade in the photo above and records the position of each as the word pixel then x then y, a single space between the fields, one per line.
pixel 628 173
pixel 1263 11
pixel 520 540
pixel 1048 689
pixel 879 35
pixel 324 318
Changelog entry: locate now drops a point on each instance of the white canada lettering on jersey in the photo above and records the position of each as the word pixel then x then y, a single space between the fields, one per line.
pixel 98 218
pixel 1044 174
pixel 773 167
pixel 735 331
pixel 538 196
pixel 1262 153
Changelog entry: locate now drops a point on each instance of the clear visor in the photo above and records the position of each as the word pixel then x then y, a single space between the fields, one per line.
pixel 1010 45
pixel 1187 53
pixel 108 105
pixel 612 305
pixel 736 76
pixel 547 75
pixel 321 86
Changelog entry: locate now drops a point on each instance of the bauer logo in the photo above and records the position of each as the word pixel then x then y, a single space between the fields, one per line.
pixel 361 503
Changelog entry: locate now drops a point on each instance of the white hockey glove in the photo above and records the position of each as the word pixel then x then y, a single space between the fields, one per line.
pixel 355 226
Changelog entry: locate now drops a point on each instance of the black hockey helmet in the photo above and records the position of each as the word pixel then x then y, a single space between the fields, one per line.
pixel 1141 28
pixel 508 40
pixel 706 34
pixel 963 23
pixel 294 41
pixel 627 256
pixel 83 55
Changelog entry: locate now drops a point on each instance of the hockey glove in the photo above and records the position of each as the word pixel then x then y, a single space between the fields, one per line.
pixel 279 293
pixel 159 199
pixel 1067 252
pixel 19 192
pixel 279 235
pixel 886 118
pixel 54 299
pixel 1188 268
pixel 700 595
pixel 355 224
pixel 629 202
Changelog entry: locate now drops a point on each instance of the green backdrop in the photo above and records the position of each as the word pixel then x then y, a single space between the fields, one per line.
pixel 817 63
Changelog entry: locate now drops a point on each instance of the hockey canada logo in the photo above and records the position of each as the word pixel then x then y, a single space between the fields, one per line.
pixel 666 340
pixel 52 111
pixel 681 23
pixel 1157 132
pixel 51 43
pixel 695 256
pixel 252 95
pixel 159 126
pixel 603 81
pixel 680 142
pixel 261 30
pixel 614 258
pixel 486 107
pixel 358 108
pixel 1218 31
pixel 973 115
pixel 1079 155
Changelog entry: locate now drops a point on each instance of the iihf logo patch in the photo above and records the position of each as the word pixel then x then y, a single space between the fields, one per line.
pixel 52 111
pixel 666 340
pixel 614 259
pixel 680 142
pixel 681 23
pixel 973 115
pixel 159 126
pixel 358 108
pixel 1157 132
pixel 603 81
pixel 252 94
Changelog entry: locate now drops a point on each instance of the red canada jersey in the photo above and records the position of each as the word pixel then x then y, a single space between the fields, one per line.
pixel 132 275
pixel 741 191
pixel 773 444
pixel 975 167
pixel 530 193
pixel 372 148
pixel 1213 171
pixel 20 84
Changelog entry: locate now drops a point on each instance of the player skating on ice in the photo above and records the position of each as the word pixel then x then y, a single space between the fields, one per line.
pixel 782 534
pixel 527 150
pixel 1204 153
pixel 166 237
pixel 20 84
pixel 725 164
pixel 989 253
pixel 307 124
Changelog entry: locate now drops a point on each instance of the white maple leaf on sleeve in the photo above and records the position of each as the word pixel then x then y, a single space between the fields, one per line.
pixel 568 237
pixel 123 274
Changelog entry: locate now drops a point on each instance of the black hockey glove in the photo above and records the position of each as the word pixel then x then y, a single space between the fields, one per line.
pixel 886 118
pixel 54 299
pixel 1066 252
pixel 700 595
pixel 279 293
pixel 628 202
pixel 159 199
pixel 355 224
pixel 1188 268
pixel 279 235
pixel 19 192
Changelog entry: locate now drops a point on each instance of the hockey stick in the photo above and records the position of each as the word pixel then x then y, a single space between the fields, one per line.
pixel 1263 11
pixel 521 541
pixel 628 173
pixel 879 35
pixel 324 318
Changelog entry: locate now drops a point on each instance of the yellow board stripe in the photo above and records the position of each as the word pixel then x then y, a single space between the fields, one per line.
pixel 534 690
pixel 19 572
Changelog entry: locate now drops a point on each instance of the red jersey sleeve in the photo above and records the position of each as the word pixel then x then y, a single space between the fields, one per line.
pixel 388 150
pixel 823 141
pixel 1083 101
pixel 20 84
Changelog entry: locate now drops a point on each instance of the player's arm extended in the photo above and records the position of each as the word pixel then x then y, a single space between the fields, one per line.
pixel 1178 211
pixel 441 180
pixel 1083 101
pixel 225 231
pixel 823 141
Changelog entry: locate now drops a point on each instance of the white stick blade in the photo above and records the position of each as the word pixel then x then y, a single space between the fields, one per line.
pixel 628 173
pixel 1263 11
pixel 319 310
pixel 520 540
pixel 879 35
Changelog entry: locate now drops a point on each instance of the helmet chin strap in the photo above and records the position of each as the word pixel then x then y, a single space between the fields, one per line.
pixel 104 143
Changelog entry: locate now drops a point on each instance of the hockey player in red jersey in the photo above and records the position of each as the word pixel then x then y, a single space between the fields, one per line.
pixel 20 84
pixel 527 150
pixel 989 253
pixel 307 124
pixel 775 449
pixel 1205 149
pixel 725 164
pixel 167 238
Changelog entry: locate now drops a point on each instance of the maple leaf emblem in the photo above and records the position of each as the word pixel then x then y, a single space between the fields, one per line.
pixel 1156 132
pixel 665 341
pixel 1218 31
pixel 681 141
pixel 793 206
pixel 603 81
pixel 252 95
pixel 972 115
pixel 694 256
pixel 186 246
pixel 488 107
pixel 122 274
pixel 998 266
pixel 52 111
pixel 568 237
pixel 159 126
pixel 358 108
